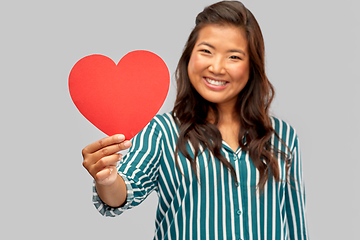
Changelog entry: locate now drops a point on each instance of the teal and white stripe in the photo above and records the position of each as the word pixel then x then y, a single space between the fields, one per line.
pixel 214 207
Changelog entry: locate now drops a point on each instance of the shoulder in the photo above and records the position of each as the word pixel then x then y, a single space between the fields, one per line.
pixel 152 132
pixel 164 118
pixel 161 124
pixel 284 131
pixel 166 127
pixel 164 123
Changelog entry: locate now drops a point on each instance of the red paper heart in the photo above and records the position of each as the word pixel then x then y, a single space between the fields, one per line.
pixel 120 98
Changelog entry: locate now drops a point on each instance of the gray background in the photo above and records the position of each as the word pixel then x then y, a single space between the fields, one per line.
pixel 312 59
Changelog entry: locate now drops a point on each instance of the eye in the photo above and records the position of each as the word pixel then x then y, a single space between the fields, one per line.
pixel 205 51
pixel 235 57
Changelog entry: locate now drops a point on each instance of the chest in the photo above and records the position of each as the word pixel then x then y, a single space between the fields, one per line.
pixel 230 135
pixel 210 170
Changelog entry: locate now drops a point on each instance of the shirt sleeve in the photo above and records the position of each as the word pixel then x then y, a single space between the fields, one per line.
pixel 139 169
pixel 295 196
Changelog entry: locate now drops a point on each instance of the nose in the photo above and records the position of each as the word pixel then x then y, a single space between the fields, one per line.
pixel 217 66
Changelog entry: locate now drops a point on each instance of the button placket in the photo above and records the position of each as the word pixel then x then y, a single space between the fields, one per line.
pixel 237 211
pixel 236 158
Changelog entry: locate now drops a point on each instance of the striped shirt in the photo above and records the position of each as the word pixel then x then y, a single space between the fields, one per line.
pixel 213 206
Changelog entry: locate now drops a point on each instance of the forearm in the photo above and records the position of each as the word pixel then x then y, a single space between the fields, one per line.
pixel 113 195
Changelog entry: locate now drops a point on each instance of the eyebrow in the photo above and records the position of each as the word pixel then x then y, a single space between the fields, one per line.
pixel 231 50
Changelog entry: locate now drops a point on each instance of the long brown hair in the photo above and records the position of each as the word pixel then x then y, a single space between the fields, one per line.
pixel 191 110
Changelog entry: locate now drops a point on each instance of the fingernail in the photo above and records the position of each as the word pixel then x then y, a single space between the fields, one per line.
pixel 127 144
pixel 121 137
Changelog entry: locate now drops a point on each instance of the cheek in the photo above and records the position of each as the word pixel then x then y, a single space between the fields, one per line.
pixel 241 72
pixel 195 64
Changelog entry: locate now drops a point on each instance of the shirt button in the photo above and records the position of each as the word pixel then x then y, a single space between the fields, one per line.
pixel 235 158
pixel 238 212
pixel 237 184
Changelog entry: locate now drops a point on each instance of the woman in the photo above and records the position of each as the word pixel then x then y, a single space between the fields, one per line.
pixel 221 166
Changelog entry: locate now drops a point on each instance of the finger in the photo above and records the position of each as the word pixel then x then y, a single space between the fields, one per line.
pixel 112 149
pixel 107 176
pixel 104 174
pixel 108 141
pixel 105 162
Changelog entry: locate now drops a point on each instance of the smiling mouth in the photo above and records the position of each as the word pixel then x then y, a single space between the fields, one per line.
pixel 216 82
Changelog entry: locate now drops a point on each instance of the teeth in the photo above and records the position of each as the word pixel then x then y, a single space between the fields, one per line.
pixel 214 82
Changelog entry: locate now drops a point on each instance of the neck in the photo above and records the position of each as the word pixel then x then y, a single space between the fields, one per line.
pixel 227 115
pixel 229 126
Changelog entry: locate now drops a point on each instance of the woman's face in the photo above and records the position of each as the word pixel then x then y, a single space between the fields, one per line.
pixel 219 64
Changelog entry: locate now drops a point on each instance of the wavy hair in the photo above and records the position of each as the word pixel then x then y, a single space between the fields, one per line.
pixel 191 110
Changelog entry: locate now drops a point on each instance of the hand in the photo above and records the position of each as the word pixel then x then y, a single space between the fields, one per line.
pixel 101 157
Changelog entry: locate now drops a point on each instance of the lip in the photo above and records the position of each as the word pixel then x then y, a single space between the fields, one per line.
pixel 215 87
